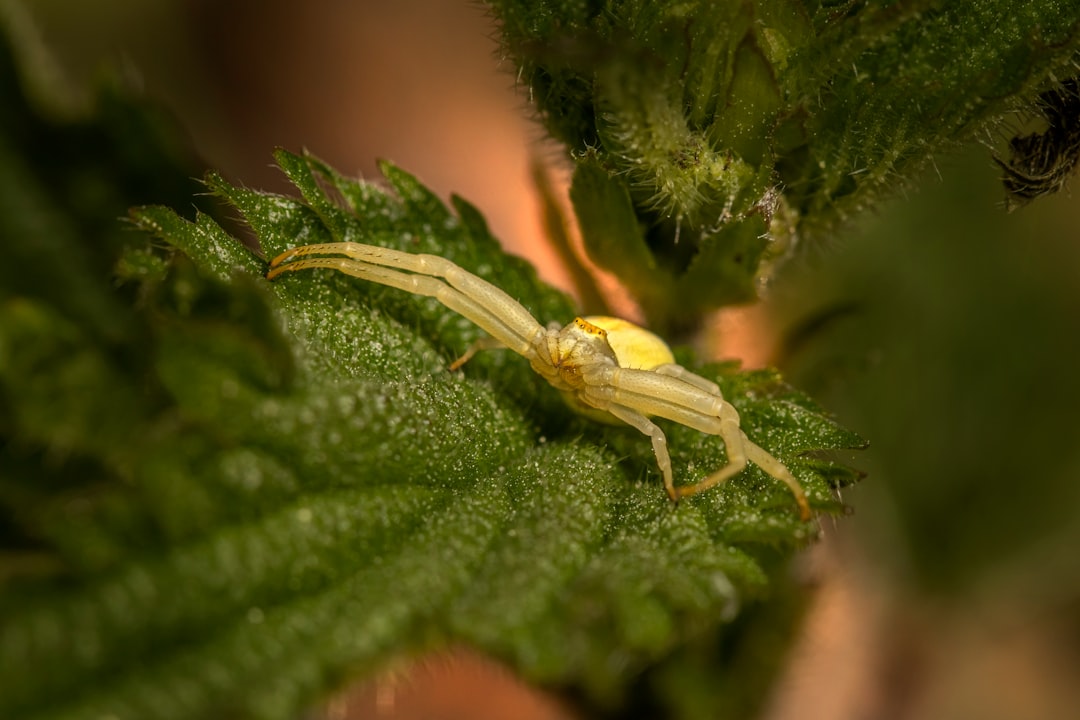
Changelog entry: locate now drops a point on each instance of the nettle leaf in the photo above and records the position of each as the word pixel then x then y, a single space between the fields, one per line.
pixel 311 491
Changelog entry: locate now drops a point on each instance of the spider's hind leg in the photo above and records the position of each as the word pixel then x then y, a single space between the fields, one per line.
pixel 678 371
pixel 740 449
pixel 735 442
pixel 761 457
pixel 659 444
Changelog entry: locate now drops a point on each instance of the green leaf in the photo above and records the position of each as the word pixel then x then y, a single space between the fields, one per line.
pixel 308 490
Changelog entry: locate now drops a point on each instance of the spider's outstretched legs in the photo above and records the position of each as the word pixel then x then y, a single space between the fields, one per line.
pixel 477 300
pixel 603 364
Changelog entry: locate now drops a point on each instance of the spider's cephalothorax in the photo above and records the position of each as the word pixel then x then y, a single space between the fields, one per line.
pixel 608 368
pixel 572 356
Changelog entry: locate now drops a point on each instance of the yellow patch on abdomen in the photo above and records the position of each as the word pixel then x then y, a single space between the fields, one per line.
pixel 634 346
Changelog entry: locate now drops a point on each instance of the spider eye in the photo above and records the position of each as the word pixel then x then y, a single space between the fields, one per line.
pixel 588 327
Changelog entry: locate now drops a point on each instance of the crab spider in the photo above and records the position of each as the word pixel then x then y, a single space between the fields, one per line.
pixel 607 368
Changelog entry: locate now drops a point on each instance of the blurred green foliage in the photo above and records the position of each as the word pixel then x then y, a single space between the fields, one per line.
pixel 711 134
pixel 945 329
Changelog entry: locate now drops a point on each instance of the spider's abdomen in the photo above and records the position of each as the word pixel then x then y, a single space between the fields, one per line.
pixel 634 346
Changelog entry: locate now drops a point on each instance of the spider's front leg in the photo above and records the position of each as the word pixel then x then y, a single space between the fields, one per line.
pixel 479 301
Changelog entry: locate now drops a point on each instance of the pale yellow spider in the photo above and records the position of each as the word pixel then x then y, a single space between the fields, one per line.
pixel 610 369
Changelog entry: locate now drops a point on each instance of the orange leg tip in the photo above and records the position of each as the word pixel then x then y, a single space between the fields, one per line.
pixel 283 257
